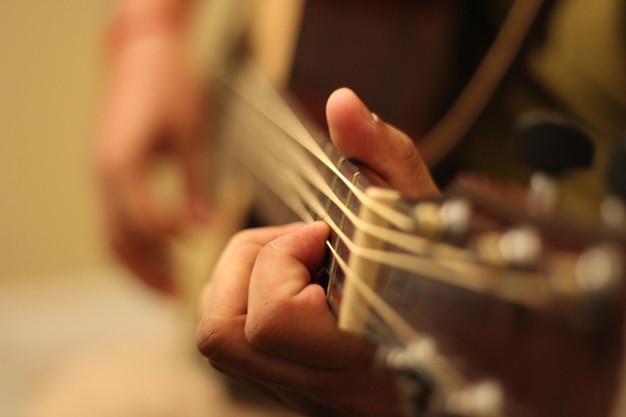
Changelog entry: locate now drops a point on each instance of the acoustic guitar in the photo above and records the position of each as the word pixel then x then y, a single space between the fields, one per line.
pixel 482 302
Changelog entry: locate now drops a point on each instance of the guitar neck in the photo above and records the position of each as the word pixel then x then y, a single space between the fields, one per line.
pixel 410 273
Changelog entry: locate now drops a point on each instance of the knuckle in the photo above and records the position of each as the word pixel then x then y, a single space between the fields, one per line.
pixel 242 237
pixel 264 328
pixel 210 337
pixel 258 335
pixel 270 251
pixel 406 149
pixel 244 252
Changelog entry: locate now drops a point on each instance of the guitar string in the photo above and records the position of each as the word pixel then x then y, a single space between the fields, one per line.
pixel 383 324
pixel 264 168
pixel 438 365
pixel 269 170
pixel 437 260
pixel 405 241
pixel 274 108
pixel 386 324
pixel 476 278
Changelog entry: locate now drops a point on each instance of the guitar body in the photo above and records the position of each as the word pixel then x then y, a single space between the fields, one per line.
pixel 498 312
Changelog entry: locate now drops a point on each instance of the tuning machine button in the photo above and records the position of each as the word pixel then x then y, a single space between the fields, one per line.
pixel 590 285
pixel 433 387
pixel 518 247
pixel 599 269
pixel 552 145
pixel 415 369
pixel 485 399
pixel 448 220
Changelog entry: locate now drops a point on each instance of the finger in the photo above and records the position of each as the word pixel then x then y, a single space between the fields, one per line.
pixel 311 391
pixel 197 204
pixel 146 259
pixel 220 333
pixel 127 192
pixel 131 133
pixel 149 264
pixel 188 146
pixel 133 233
pixel 222 341
pixel 383 150
pixel 226 294
pixel 152 216
pixel 254 236
pixel 288 316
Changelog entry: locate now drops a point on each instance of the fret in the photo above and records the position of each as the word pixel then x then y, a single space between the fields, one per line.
pixel 438 260
pixel 362 268
pixel 333 270
pixel 336 274
pixel 334 182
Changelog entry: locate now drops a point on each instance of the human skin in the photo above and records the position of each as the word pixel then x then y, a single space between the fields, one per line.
pixel 265 324
pixel 152 108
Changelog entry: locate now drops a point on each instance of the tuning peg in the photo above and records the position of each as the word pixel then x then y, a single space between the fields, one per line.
pixel 613 209
pixel 449 220
pixel 519 247
pixel 552 145
pixel 434 386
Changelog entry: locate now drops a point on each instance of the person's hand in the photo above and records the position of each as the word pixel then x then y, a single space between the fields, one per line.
pixel 385 154
pixel 263 320
pixel 152 109
pixel 267 326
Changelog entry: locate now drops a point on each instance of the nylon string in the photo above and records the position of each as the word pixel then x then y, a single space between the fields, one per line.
pixel 436 260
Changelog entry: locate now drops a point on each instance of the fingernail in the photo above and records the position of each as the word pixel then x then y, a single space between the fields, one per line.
pixel 320 225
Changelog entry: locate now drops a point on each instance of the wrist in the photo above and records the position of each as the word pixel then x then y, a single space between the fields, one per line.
pixel 140 19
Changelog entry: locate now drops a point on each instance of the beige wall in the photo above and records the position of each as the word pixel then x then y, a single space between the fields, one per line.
pixel 49 74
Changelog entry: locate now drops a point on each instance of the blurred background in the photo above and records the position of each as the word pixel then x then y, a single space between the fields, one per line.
pixel 49 79
pixel 79 336
pixel 62 297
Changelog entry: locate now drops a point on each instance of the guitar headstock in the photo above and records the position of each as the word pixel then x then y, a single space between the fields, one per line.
pixel 486 302
pixel 495 309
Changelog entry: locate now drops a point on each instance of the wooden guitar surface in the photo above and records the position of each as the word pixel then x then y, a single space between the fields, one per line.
pixel 481 307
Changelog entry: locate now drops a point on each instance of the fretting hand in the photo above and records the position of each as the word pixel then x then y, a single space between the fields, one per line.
pixel 265 324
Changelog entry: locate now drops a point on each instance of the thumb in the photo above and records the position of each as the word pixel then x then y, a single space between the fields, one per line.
pixel 385 153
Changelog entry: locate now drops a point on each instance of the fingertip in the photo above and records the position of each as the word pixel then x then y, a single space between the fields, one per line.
pixel 314 296
pixel 340 96
pixel 300 243
pixel 315 232
pixel 317 228
pixel 345 107
pixel 352 126
pixel 322 229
